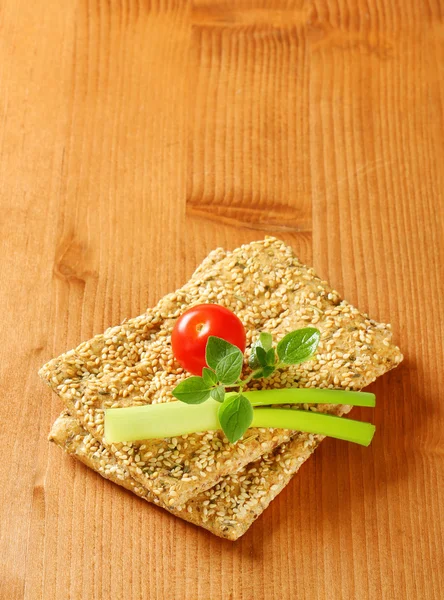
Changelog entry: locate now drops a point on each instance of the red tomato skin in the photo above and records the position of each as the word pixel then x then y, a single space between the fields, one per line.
pixel 193 328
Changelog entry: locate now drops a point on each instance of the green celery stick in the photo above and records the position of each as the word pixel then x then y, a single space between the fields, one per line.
pixel 310 422
pixel 176 418
pixel 309 396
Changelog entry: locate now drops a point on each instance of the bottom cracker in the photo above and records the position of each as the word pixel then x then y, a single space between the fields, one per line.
pixel 227 509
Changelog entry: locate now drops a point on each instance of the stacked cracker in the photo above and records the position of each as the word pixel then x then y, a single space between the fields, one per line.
pixel 202 477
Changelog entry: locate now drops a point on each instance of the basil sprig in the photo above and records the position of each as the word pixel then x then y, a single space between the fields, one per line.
pixel 224 370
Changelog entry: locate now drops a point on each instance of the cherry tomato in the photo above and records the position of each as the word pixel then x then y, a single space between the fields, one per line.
pixel 192 329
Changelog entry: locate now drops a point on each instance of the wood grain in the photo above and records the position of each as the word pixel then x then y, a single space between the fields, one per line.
pixel 137 135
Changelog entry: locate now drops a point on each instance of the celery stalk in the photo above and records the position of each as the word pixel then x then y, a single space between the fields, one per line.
pixel 309 396
pixel 302 420
pixel 159 420
pixel 176 418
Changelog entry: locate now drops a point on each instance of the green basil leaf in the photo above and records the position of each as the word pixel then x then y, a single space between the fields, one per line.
pixel 225 358
pixel 218 393
pixel 235 416
pixel 261 356
pixel 229 370
pixel 270 359
pixel 298 346
pixel 209 376
pixel 193 390
pixel 266 340
pixel 264 372
pixel 253 361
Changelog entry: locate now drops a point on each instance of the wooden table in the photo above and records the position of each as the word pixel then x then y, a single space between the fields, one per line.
pixel 137 135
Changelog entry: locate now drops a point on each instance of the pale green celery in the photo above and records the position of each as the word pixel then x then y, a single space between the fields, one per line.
pixel 176 418
pixel 159 420
pixel 309 396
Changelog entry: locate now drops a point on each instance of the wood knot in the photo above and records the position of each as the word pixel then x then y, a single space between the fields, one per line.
pixel 73 261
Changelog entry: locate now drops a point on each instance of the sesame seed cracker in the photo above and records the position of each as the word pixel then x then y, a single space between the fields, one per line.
pixel 132 364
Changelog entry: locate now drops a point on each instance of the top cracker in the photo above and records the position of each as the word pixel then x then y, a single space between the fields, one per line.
pixel 132 364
